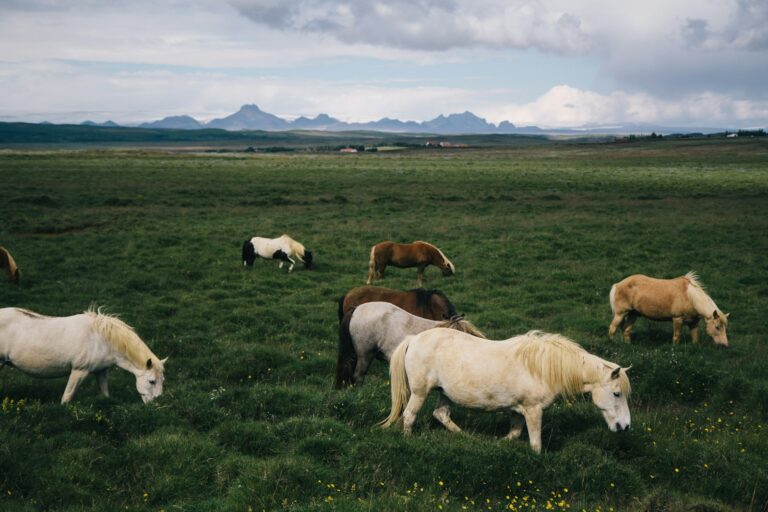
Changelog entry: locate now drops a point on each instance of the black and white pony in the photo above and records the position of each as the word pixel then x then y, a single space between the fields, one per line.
pixel 284 248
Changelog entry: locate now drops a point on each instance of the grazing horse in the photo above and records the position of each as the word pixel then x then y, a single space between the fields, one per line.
pixel 375 329
pixel 682 300
pixel 7 262
pixel 430 304
pixel 523 374
pixel 283 248
pixel 417 254
pixel 92 342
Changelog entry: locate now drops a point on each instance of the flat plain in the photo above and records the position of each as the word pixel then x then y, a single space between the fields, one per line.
pixel 249 419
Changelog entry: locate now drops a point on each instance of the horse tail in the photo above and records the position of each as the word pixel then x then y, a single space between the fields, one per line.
pixel 249 253
pixel 398 383
pixel 372 264
pixel 612 298
pixel 341 307
pixel 347 357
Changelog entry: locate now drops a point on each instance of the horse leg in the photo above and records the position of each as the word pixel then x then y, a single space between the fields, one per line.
pixel 533 422
pixel 409 415
pixel 420 275
pixel 629 321
pixel 102 378
pixel 677 329
pixel 615 324
pixel 75 378
pixel 291 263
pixel 518 421
pixel 361 368
pixel 443 414
pixel 695 334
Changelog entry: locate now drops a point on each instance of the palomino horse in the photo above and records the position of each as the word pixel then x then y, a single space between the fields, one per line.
pixel 283 248
pixel 430 304
pixel 92 342
pixel 375 329
pixel 7 263
pixel 417 254
pixel 524 374
pixel 682 300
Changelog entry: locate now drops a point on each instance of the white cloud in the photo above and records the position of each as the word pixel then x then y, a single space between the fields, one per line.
pixel 564 106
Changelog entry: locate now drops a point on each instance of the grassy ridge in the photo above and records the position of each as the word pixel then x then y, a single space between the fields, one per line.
pixel 249 418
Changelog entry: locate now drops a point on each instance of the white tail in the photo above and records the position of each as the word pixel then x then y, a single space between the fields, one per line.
pixel 371 264
pixel 399 383
pixel 612 298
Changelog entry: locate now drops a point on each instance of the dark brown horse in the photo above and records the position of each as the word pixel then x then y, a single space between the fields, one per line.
pixel 417 254
pixel 7 263
pixel 430 304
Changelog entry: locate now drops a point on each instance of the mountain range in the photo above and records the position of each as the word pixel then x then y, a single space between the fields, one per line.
pixel 251 117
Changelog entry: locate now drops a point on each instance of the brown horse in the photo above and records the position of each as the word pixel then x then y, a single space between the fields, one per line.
pixel 7 263
pixel 682 300
pixel 430 304
pixel 417 254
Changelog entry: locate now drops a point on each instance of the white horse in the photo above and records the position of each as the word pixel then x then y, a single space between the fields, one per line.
pixel 375 329
pixel 524 374
pixel 92 342
pixel 283 248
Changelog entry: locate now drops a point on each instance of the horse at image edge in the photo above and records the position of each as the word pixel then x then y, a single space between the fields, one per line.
pixel 78 345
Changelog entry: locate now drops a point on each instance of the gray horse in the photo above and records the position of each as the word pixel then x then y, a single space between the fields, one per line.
pixel 375 329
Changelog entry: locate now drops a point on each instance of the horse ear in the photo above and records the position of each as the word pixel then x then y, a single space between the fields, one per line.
pixel 615 373
pixel 149 363
pixel 163 360
pixel 727 315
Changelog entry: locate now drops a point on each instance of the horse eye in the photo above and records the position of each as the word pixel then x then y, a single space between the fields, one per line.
pixel 617 394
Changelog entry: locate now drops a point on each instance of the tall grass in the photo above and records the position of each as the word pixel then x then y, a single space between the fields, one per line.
pixel 249 419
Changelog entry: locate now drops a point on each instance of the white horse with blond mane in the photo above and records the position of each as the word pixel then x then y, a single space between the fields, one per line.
pixel 284 248
pixel 523 374
pixel 682 300
pixel 78 345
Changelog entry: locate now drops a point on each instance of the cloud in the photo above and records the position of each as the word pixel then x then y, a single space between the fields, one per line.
pixel 429 25
pixel 564 106
pixel 745 29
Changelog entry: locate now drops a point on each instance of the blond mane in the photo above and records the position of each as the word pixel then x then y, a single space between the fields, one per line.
pixel 701 301
pixel 9 264
pixel 122 338
pixel 442 255
pixel 461 325
pixel 561 363
pixel 296 247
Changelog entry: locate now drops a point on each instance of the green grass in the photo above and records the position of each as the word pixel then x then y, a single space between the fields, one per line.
pixel 249 419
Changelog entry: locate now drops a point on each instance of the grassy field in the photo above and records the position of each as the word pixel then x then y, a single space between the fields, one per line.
pixel 249 420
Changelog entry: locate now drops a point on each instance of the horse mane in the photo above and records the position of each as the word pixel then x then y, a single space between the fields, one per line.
pixel 440 252
pixel 458 323
pixel 699 298
pixel 9 264
pixel 560 362
pixel 122 338
pixel 296 247
pixel 423 296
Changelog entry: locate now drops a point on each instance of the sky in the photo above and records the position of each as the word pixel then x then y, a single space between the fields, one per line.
pixel 550 63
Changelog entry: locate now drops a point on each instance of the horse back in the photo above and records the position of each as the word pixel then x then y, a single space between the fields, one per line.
pixel 659 299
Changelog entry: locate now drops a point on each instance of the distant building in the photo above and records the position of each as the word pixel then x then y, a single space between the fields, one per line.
pixel 347 150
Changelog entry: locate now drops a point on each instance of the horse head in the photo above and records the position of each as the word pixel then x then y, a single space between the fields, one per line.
pixel 610 396
pixel 308 260
pixel 249 253
pixel 440 307
pixel 716 327
pixel 149 380
pixel 446 267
